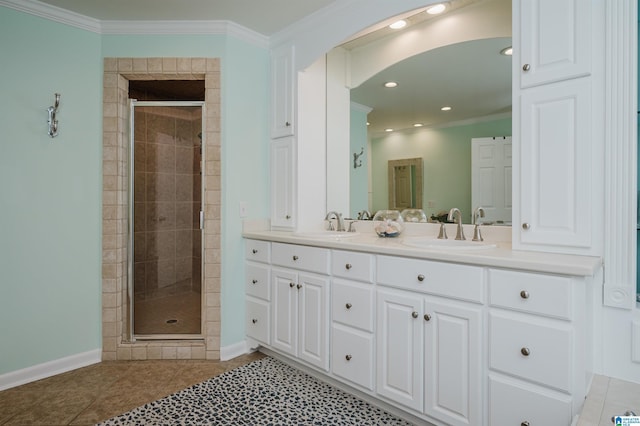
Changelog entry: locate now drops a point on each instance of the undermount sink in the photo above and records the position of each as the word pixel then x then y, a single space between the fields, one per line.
pixel 326 235
pixel 436 244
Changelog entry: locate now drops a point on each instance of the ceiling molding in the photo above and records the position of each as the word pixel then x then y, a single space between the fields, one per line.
pixel 56 14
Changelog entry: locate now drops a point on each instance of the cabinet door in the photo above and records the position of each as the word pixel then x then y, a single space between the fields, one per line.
pixel 554 40
pixel 314 320
pixel 452 362
pixel 555 167
pixel 284 311
pixel 283 207
pixel 282 89
pixel 400 350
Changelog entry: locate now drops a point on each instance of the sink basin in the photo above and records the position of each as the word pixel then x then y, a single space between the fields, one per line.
pixel 449 245
pixel 326 235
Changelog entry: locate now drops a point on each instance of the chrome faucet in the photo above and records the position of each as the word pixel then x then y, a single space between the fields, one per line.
pixel 442 235
pixel 339 220
pixel 455 215
pixel 477 214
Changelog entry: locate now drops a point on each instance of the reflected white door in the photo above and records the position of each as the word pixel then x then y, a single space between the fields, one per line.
pixel 491 177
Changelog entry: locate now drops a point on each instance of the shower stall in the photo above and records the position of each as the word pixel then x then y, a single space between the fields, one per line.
pixel 165 220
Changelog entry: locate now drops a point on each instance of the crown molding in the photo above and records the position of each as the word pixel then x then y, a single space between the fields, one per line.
pixel 56 14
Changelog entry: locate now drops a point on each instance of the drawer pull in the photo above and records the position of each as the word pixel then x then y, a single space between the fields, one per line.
pixel 254 281
pixel 348 266
pixel 254 251
pixel 525 423
pixel 299 286
pixel 348 305
pixel 414 314
pixel 420 277
pixel 254 320
pixel 526 67
pixel 291 285
pixel 427 317
pixel 525 351
pixel 348 357
pixel 524 294
pixel 295 257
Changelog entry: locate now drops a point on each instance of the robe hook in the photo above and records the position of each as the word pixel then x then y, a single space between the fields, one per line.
pixel 53 123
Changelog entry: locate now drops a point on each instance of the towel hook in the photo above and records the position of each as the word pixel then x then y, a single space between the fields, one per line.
pixel 53 123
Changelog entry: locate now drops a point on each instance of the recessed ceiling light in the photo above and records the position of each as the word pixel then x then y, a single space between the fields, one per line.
pixel 391 84
pixel 368 124
pixel 418 125
pixel 388 130
pixel 436 9
pixel 445 108
pixel 507 51
pixel 398 24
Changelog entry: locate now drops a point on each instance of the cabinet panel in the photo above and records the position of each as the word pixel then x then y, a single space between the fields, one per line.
pixel 352 304
pixel 556 182
pixel 283 183
pixel 400 350
pixel 282 92
pixel 352 356
pixel 352 265
pixel 257 282
pixel 313 259
pixel 258 251
pixel 555 40
pixel 531 349
pixel 285 311
pixel 314 320
pixel 452 363
pixel 258 324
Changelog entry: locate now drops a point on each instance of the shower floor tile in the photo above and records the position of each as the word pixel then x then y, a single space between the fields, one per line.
pixel 176 314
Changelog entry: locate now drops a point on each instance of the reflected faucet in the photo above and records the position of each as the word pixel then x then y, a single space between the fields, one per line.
pixel 364 215
pixel 477 214
pixel 339 220
pixel 456 216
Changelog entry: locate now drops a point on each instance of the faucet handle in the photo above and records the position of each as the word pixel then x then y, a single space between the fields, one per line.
pixel 442 235
pixel 477 235
pixel 330 228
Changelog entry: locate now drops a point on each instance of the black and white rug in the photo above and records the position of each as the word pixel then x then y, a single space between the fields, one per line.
pixel 264 392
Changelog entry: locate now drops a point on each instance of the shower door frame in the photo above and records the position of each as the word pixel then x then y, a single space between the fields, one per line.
pixel 133 103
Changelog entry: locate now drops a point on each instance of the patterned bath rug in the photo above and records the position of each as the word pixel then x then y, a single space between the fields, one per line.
pixel 261 393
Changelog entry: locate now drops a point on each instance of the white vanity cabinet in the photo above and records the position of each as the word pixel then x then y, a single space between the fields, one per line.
pixel 352 318
pixel 300 302
pixel 429 333
pixel 537 348
pixel 283 183
pixel 282 92
pixel 554 105
pixel 258 290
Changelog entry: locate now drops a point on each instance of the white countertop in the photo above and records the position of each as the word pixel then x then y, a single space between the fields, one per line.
pixel 501 256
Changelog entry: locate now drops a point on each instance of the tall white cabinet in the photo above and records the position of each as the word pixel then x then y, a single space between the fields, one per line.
pixel 553 120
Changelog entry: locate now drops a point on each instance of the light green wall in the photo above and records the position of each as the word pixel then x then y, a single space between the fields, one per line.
pixel 446 155
pixel 358 182
pixel 51 189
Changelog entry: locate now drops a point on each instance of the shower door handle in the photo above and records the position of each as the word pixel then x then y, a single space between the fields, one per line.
pixel 201 220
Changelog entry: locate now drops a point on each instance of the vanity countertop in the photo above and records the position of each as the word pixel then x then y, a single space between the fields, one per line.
pixel 501 256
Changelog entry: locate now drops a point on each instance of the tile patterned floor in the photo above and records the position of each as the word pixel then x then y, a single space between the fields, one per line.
pixel 609 397
pixel 151 315
pixel 95 393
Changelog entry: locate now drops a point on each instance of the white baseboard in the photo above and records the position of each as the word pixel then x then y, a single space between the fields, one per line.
pixel 233 351
pixel 50 368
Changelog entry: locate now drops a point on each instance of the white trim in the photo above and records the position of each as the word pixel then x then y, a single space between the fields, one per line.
pixel 233 351
pixel 49 368
pixel 361 108
pixel 53 13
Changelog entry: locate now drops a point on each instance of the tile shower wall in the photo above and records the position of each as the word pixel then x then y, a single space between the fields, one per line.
pixel 116 339
pixel 167 201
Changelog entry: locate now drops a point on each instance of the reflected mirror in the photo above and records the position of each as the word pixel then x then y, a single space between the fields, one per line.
pixel 405 184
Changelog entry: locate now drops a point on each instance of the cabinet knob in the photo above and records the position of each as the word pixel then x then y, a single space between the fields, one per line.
pixel 348 266
pixel 254 251
pixel 420 277
pixel 254 320
pixel 291 285
pixel 288 217
pixel 525 351
pixel 348 357
pixel 427 317
pixel 348 305
pixel 524 294
pixel 525 423
pixel 526 226
pixel 526 67
pixel 254 281
pixel 295 257
pixel 414 314
pixel 299 286
pixel 287 124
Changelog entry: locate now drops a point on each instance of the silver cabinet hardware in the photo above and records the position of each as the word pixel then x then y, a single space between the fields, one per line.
pixel 420 277
pixel 414 314
pixel 526 67
pixel 299 286
pixel 348 357
pixel 254 281
pixel 525 351
pixel 348 266
pixel 291 285
pixel 524 294
pixel 254 320
pixel 287 124
pixel 288 217
pixel 525 423
pixel 254 251
pixel 295 257
pixel 348 305
pixel 427 317
pixel 526 226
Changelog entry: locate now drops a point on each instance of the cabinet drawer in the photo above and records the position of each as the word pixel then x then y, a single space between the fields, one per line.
pixel 352 304
pixel 352 356
pixel 257 324
pixel 513 403
pixel 535 293
pixel 257 281
pixel 314 259
pixel 352 265
pixel 444 279
pixel 258 251
pixel 531 349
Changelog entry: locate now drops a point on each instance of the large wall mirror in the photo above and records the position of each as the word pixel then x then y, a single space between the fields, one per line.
pixel 454 59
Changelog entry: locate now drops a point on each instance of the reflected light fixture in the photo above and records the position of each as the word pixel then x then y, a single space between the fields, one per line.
pixel 418 125
pixel 398 24
pixel 391 84
pixel 388 130
pixel 436 9
pixel 507 51
pixel 445 108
